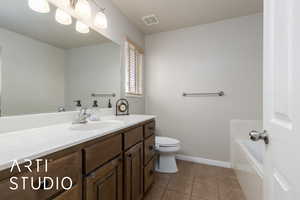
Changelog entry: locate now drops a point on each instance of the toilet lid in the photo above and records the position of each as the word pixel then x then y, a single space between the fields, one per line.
pixel 166 142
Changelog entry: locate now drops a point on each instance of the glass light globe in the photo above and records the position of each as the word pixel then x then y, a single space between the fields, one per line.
pixel 83 9
pixel 62 17
pixel 100 20
pixel 41 6
pixel 81 27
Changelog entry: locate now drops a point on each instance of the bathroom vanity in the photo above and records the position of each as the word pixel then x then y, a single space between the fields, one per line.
pixel 112 164
pixel 44 70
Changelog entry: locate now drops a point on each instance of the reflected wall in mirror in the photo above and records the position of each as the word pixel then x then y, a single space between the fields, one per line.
pixel 45 65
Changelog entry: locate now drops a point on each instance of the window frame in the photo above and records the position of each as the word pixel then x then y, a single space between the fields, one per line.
pixel 139 69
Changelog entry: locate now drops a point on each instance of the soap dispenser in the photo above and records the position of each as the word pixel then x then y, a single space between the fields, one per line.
pixel 78 105
pixel 94 111
pixel 109 104
pixel 95 104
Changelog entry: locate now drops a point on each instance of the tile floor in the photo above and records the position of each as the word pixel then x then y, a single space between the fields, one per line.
pixel 196 182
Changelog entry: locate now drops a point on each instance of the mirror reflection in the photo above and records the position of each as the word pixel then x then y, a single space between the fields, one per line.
pixel 45 65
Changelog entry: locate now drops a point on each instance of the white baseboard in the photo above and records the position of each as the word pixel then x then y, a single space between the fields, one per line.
pixel 204 161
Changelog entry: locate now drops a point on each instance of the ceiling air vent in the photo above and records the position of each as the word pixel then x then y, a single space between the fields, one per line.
pixel 150 20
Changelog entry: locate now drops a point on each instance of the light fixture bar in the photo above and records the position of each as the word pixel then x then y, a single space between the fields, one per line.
pixel 74 2
pixel 98 6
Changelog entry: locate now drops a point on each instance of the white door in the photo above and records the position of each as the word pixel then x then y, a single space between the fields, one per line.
pixel 282 99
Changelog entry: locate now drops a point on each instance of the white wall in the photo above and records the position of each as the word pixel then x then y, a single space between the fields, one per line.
pixel 0 77
pixel 227 56
pixel 119 27
pixel 92 69
pixel 32 75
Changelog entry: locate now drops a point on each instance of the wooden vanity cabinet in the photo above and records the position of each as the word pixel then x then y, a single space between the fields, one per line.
pixel 133 172
pixel 149 129
pixel 118 166
pixel 149 149
pixel 106 183
pixel 64 166
pixel 149 175
pixel 128 178
pixel 133 137
pixel 101 152
pixel 73 194
pixel 149 155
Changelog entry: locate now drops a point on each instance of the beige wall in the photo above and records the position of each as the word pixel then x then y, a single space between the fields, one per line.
pixel 226 55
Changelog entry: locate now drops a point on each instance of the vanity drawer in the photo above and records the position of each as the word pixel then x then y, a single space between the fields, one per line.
pixel 101 152
pixel 149 149
pixel 67 166
pixel 133 137
pixel 149 129
pixel 148 175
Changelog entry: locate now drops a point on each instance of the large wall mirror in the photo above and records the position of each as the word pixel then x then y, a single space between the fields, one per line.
pixel 45 65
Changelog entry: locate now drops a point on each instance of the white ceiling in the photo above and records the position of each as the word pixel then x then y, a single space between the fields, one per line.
pixel 15 15
pixel 174 14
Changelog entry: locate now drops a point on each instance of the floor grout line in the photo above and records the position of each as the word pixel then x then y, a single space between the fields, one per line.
pixel 194 179
pixel 218 189
pixel 190 173
pixel 165 190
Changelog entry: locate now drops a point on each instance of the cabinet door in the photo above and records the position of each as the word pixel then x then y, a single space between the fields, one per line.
pixel 149 149
pixel 106 182
pixel 148 175
pixel 73 194
pixel 134 173
pixel 65 166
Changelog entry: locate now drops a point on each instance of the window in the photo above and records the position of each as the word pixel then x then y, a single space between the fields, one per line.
pixel 134 69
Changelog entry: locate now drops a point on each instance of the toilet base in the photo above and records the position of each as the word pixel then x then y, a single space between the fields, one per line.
pixel 166 163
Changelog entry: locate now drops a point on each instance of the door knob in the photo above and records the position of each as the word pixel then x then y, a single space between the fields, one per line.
pixel 256 136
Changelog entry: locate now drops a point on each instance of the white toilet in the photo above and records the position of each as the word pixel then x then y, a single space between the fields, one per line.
pixel 166 148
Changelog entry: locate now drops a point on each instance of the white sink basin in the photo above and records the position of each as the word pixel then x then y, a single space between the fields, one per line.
pixel 90 126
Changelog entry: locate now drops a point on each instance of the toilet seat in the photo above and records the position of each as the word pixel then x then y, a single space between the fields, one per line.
pixel 166 142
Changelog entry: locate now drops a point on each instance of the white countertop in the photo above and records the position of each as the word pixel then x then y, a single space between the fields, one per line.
pixel 39 142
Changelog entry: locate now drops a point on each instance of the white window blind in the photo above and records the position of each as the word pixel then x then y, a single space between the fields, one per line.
pixel 134 66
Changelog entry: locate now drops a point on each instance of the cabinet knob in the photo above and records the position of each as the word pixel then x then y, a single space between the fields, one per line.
pixel 151 147
pixel 151 172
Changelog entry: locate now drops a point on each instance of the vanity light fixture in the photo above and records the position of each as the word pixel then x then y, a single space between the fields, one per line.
pixel 41 6
pixel 83 9
pixel 62 17
pixel 82 28
pixel 100 20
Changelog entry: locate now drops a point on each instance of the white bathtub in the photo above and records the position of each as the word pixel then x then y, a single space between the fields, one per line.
pixel 247 161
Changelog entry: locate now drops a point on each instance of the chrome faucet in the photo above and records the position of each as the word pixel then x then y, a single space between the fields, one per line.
pixel 82 116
